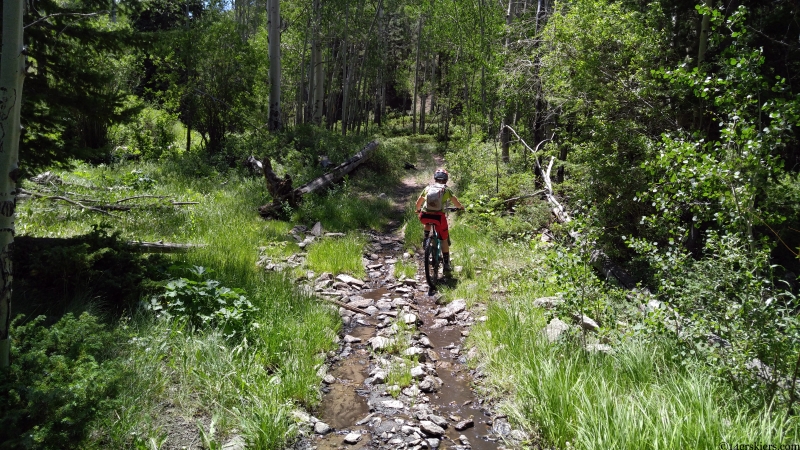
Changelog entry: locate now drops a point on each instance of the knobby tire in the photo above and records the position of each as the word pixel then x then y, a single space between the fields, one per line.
pixel 431 263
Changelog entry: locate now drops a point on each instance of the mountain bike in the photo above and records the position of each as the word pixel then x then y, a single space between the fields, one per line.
pixel 432 256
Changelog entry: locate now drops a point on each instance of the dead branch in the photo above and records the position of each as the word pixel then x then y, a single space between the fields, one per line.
pixel 346 306
pixel 97 207
pixel 64 199
pixel 522 197
pixel 281 189
pixel 139 196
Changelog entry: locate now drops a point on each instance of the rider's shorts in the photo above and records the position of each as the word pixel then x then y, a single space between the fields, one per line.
pixel 438 220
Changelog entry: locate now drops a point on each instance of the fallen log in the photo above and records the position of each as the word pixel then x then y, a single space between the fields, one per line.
pixel 281 189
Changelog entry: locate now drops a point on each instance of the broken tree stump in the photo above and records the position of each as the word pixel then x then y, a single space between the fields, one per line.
pixel 281 189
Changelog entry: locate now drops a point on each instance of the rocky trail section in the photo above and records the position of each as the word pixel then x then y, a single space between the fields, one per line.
pixel 404 335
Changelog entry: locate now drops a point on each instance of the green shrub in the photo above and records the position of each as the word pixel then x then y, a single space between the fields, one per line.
pixel 148 136
pixel 61 378
pixel 204 302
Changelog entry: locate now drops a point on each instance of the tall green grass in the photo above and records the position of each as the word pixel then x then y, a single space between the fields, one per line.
pixel 637 397
pixel 338 255
pixel 250 385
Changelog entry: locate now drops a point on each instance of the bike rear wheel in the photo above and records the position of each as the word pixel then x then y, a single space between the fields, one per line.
pixel 432 262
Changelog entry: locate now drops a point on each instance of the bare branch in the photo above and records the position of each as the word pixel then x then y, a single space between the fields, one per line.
pixel 64 199
pixel 81 15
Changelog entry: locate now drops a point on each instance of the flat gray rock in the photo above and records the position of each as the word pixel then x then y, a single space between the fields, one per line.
pixel 351 339
pixel 548 302
pixel 352 438
pixel 586 322
pixel 394 404
pixel 379 342
pixel 316 230
pixel 344 278
pixel 430 428
pixel 464 424
pixel 453 308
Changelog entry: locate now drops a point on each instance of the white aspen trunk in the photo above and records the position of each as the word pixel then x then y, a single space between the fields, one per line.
pixel 434 108
pixel 300 115
pixel 423 98
pixel 12 75
pixel 702 45
pixel 274 34
pixel 416 79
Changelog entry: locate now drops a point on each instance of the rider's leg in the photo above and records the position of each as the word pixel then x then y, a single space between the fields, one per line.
pixel 427 233
pixel 446 248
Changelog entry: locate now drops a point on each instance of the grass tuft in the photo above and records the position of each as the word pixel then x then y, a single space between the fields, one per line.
pixel 338 255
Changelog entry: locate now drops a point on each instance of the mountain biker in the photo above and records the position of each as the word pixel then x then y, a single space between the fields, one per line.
pixel 430 207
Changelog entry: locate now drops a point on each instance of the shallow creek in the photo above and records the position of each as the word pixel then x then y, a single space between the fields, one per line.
pixel 439 408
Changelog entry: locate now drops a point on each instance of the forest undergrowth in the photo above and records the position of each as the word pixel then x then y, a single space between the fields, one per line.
pixel 191 348
pixel 628 371
pixel 205 346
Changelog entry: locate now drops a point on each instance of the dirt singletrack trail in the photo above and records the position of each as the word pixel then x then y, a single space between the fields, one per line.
pixel 361 409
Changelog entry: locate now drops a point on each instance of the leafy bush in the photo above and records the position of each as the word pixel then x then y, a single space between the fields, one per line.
pixel 735 319
pixel 204 302
pixel 61 378
pixel 147 137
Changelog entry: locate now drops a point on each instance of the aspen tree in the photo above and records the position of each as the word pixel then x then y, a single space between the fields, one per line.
pixel 12 74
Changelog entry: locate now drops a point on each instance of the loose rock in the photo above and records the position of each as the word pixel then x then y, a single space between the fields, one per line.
pixel 352 438
pixel 431 428
pixel 321 428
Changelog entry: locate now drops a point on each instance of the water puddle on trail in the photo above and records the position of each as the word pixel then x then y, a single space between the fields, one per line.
pixel 358 410
pixel 455 399
pixel 376 294
pixel 341 405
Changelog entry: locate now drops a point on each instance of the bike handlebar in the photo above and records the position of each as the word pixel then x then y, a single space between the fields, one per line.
pixel 449 209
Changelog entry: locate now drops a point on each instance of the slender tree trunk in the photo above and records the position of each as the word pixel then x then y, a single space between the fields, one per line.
pixel 274 34
pixel 302 99
pixel 12 75
pixel 189 135
pixel 332 91
pixel 345 70
pixel 416 79
pixel 319 68
pixel 505 135
pixel 434 65
pixel 702 44
pixel 380 88
pixel 423 101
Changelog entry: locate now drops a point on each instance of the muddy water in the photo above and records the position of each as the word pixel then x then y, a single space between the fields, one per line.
pixel 455 399
pixel 353 403
pixel 342 406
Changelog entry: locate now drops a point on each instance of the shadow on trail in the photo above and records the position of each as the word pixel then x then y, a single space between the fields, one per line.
pixel 449 282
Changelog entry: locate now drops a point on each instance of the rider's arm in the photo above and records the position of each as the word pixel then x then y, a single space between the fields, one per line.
pixel 420 201
pixel 455 201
